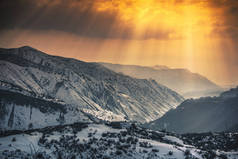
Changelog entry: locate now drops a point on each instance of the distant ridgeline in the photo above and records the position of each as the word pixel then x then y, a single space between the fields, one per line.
pixel 190 85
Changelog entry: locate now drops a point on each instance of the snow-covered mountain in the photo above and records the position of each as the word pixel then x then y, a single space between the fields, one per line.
pixel 202 115
pixel 190 85
pixel 88 87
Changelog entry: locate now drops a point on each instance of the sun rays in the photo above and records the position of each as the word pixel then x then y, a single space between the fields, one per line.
pixel 177 33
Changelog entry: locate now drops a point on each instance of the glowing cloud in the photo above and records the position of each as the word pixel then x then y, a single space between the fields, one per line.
pixel 200 35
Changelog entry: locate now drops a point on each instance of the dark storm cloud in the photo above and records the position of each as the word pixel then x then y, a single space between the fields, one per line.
pixel 78 17
pixel 227 25
pixel 73 16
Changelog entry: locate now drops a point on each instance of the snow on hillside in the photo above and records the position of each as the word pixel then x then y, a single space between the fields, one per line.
pixel 105 115
pixel 20 112
pixel 86 86
pixel 101 142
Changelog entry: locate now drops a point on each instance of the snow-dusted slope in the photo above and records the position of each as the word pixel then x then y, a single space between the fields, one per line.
pixel 89 87
pixel 21 112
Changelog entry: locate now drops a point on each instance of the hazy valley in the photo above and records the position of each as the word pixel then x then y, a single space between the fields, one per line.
pixel 188 84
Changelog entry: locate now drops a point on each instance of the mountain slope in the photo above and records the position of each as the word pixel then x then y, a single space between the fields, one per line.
pixel 202 115
pixel 181 80
pixel 89 87
pixel 21 112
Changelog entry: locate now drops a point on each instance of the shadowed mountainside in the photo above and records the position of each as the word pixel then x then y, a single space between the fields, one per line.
pixel 202 115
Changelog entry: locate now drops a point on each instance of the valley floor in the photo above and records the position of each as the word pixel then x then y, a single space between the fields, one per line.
pixel 106 141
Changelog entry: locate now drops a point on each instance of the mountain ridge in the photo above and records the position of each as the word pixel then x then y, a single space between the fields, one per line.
pixel 88 86
pixel 183 81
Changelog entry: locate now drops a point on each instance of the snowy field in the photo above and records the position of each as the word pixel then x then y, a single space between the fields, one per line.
pixel 102 141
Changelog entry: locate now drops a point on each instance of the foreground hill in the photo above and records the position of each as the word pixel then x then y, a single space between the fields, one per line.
pixel 114 141
pixel 87 87
pixel 202 115
pixel 181 80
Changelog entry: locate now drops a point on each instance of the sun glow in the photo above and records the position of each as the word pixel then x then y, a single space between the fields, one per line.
pixel 187 23
pixel 167 19
pixel 190 34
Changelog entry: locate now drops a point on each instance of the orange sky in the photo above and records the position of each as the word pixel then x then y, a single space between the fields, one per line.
pixel 200 35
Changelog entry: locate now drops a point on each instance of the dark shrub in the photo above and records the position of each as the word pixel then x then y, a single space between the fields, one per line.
pixel 14 139
pixel 223 156
pixel 104 134
pixel 118 152
pixel 187 152
pixel 115 125
pixel 30 126
pixel 123 133
pixel 170 153
pixel 155 150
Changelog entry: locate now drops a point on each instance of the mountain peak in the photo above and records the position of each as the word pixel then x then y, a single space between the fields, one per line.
pixel 160 67
pixel 27 47
pixel 29 50
pixel 20 48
